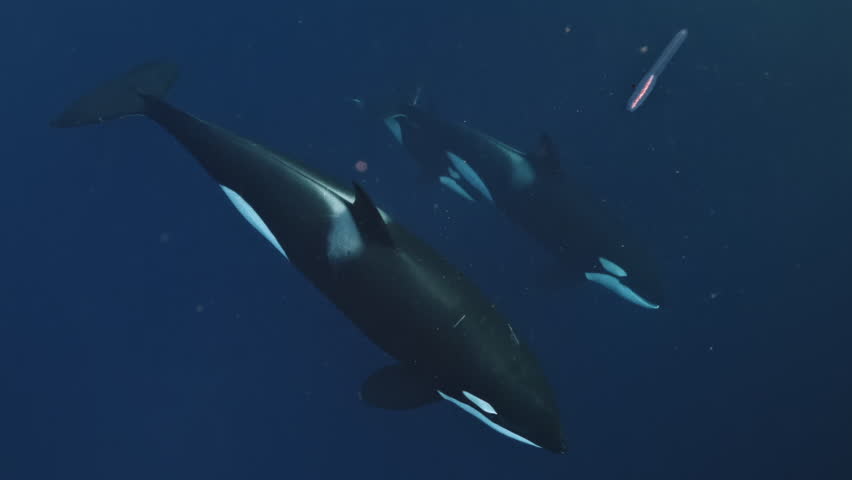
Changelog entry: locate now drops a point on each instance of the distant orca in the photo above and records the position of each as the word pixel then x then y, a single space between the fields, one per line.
pixel 534 192
pixel 449 340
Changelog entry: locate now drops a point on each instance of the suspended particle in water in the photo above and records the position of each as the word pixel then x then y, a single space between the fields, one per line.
pixel 361 166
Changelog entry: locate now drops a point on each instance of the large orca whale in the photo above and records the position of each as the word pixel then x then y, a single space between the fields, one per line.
pixel 448 339
pixel 533 191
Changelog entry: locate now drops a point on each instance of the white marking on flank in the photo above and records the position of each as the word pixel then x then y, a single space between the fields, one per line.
pixel 253 218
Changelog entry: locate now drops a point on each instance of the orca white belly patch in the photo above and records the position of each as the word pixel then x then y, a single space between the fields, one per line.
pixel 455 187
pixel 615 285
pixel 469 174
pixel 480 416
pixel 454 174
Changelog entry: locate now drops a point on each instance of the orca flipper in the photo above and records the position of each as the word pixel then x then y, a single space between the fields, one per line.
pixel 395 387
pixel 368 219
pixel 119 97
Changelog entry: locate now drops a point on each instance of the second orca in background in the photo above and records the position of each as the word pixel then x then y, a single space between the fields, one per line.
pixel 532 189
pixel 448 339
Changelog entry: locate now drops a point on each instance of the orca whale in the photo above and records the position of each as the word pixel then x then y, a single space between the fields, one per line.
pixel 533 191
pixel 447 338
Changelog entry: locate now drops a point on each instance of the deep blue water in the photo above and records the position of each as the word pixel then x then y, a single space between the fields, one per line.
pixel 147 332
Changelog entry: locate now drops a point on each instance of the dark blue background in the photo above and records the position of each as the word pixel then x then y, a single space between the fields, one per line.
pixel 147 332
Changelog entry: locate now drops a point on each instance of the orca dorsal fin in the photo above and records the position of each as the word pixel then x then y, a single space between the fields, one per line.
pixel 545 156
pixel 368 219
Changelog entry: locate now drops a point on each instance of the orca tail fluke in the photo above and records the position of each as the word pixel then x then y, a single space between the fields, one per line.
pixel 121 96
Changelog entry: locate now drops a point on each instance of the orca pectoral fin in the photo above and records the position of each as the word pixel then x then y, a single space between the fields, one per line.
pixel 395 387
